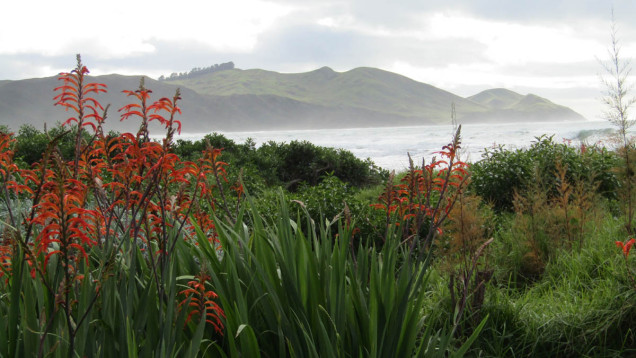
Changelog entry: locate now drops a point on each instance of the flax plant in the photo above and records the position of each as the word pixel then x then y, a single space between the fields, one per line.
pixel 304 293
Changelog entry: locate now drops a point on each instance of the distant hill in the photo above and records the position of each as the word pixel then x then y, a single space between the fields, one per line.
pixel 234 100
pixel 504 104
pixel 496 98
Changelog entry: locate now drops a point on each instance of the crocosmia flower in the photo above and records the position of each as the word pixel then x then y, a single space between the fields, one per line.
pixel 626 246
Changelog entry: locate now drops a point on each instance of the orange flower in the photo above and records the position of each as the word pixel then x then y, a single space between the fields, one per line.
pixel 626 246
pixel 199 300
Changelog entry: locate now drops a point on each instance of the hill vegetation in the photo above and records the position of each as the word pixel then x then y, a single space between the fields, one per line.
pixel 198 71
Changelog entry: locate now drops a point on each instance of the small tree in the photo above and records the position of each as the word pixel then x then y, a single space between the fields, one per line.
pixel 619 100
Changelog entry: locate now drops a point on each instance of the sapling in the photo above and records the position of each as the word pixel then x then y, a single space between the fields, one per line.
pixel 619 99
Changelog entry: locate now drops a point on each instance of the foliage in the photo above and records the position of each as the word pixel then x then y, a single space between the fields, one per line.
pixel 332 200
pixel 502 171
pixel 463 247
pixel 291 292
pixel 543 226
pixel 287 164
pixel 581 297
pixel 299 162
pixel 326 199
pixel 31 143
pixel 196 72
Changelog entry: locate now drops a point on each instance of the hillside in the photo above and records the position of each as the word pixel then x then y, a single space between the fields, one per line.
pixel 505 104
pixel 234 100
pixel 361 88
pixel 496 98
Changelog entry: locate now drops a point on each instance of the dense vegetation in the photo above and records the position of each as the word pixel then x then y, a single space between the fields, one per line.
pixel 118 245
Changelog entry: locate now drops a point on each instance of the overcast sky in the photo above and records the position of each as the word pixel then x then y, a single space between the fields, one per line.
pixel 547 47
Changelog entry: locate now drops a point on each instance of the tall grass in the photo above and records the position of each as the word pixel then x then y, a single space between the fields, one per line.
pixel 581 296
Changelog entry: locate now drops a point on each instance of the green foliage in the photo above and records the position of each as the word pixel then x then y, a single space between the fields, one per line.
pixel 333 199
pixel 302 161
pixel 285 164
pixel 272 164
pixel 581 296
pixel 328 198
pixel 293 292
pixel 197 72
pixel 31 143
pixel 501 171
pixel 578 299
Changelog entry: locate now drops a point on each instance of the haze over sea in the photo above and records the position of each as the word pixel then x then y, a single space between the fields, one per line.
pixel 388 147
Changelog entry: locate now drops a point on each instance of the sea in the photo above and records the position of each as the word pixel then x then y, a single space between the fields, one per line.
pixel 389 147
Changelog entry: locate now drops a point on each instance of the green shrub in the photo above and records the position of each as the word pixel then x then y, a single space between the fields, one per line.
pixel 502 171
pixel 285 164
pixel 327 201
pixel 301 161
pixel 31 142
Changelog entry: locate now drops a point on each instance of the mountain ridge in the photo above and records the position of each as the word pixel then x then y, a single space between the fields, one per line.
pixel 256 99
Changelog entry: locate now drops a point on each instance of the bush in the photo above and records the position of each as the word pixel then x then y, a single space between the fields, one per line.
pixel 289 165
pixel 327 201
pixel 31 143
pixel 301 161
pixel 501 171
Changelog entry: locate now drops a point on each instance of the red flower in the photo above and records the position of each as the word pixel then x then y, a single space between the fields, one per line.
pixel 199 300
pixel 626 246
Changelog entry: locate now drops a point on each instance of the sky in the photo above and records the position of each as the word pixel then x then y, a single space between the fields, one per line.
pixel 552 48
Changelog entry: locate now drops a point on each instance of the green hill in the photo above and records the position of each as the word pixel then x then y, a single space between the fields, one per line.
pixel 505 104
pixel 239 100
pixel 496 98
pixel 361 88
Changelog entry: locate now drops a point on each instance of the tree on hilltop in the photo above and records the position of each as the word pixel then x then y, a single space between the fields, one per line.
pixel 198 71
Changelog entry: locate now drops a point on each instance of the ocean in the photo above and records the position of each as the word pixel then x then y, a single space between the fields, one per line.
pixel 388 147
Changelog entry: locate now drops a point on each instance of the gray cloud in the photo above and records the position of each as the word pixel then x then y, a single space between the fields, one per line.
pixel 347 49
pixel 572 69
pixel 548 10
pixel 397 12
pixel 310 43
